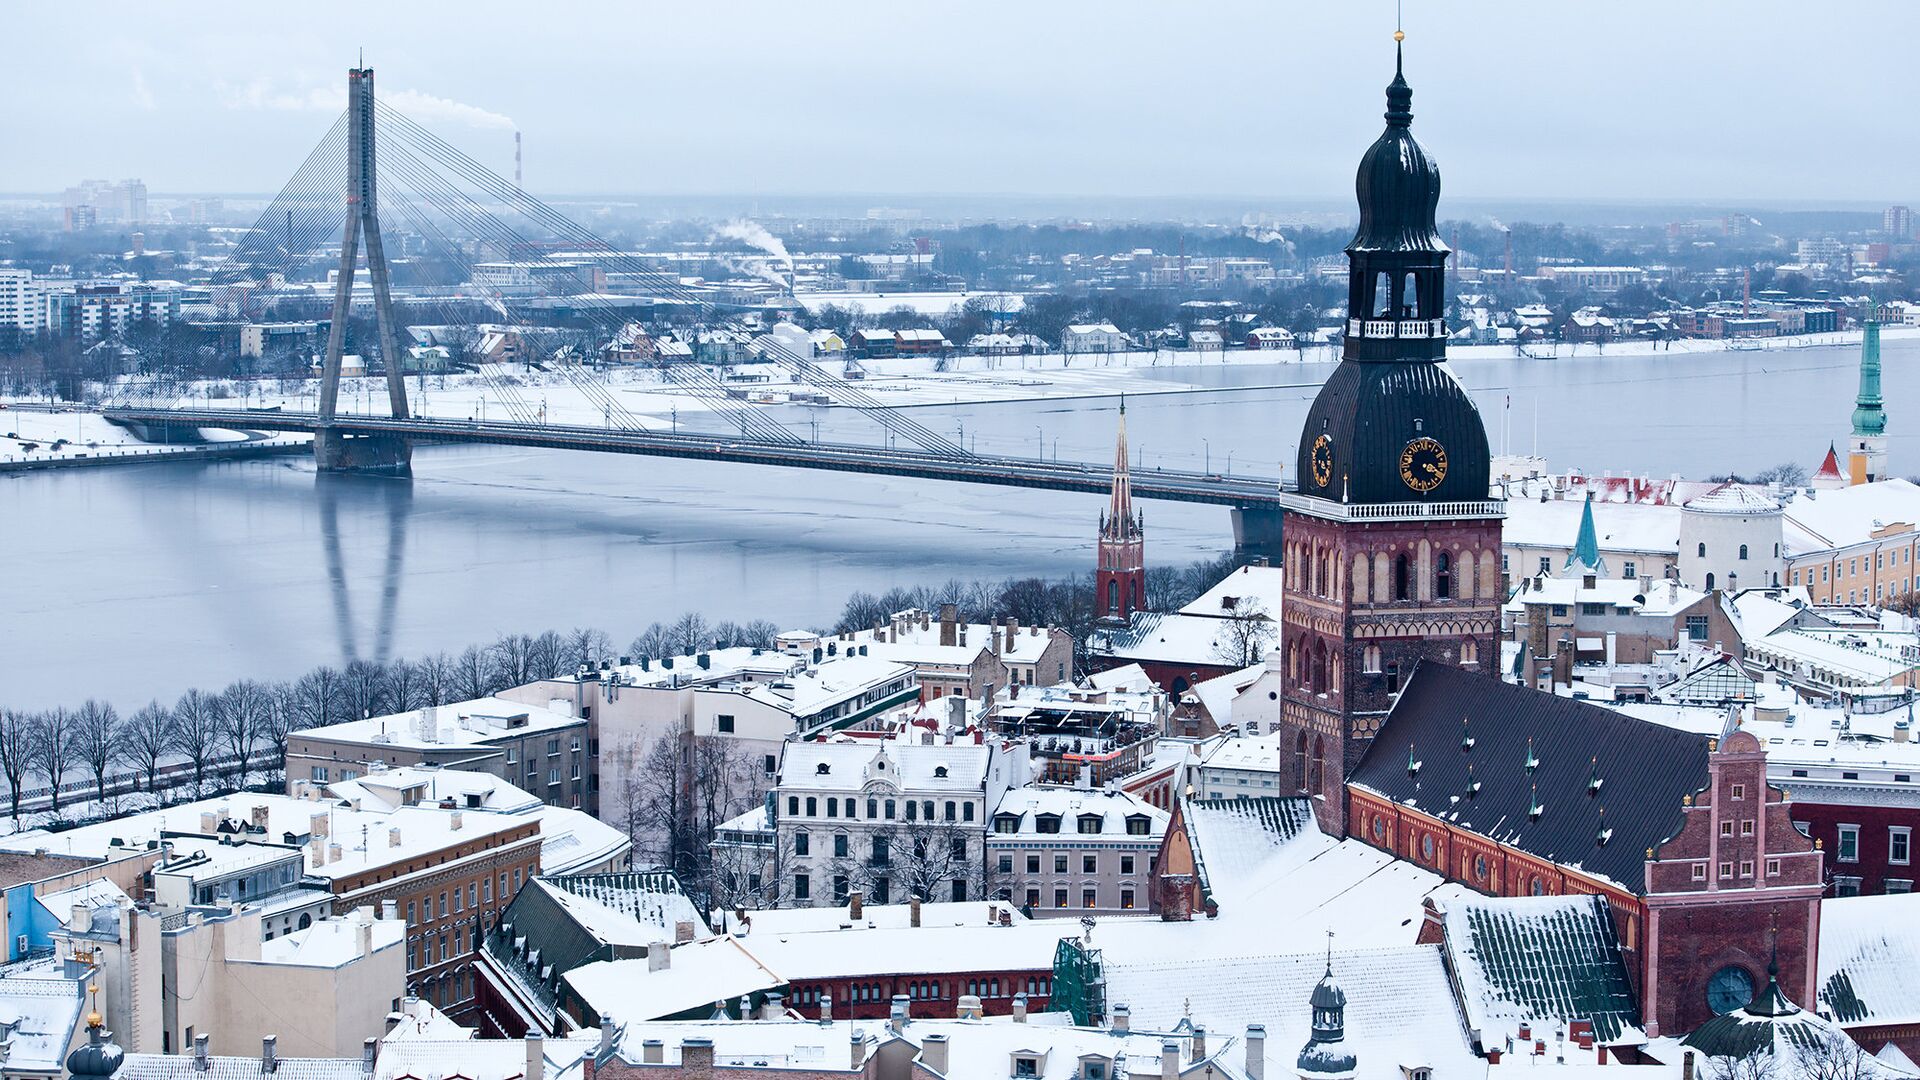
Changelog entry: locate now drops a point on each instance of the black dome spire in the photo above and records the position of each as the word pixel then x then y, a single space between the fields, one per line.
pixel 1392 425
pixel 1398 184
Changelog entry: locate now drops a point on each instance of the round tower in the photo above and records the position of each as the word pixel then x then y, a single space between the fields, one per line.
pixel 1730 538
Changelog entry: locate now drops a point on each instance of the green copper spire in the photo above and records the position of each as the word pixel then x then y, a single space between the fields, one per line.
pixel 1868 417
pixel 1586 548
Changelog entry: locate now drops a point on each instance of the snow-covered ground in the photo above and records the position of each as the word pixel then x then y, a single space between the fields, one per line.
pixel 653 400
pixel 36 434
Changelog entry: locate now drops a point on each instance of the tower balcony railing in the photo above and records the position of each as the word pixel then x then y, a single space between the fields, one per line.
pixel 1398 511
pixel 1421 329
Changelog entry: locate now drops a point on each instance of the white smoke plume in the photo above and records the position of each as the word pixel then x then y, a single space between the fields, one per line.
pixel 1495 222
pixel 1267 234
pixel 429 110
pixel 754 235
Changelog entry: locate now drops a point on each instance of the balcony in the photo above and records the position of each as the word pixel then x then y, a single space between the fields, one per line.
pixel 1417 329
pixel 1338 511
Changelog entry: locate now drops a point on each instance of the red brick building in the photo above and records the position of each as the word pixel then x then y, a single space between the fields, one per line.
pixel 1120 576
pixel 1515 792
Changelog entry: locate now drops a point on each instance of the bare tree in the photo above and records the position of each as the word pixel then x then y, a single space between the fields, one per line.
pixel 1246 633
pixel 363 690
pixel 146 738
pixel 588 646
pixel 96 739
pixel 928 856
pixel 690 633
pixel 404 690
pixel 315 699
pixel 53 749
pixel 197 731
pixel 547 656
pixel 473 674
pixel 16 754
pixel 657 794
pixel 240 718
pixel 512 657
pixel 1835 1057
pixel 1758 1065
pixel 436 677
pixel 652 643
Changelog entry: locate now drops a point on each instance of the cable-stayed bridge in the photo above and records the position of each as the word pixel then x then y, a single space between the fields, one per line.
pixel 376 167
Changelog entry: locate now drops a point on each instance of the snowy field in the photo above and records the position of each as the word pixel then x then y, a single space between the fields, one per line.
pixel 37 434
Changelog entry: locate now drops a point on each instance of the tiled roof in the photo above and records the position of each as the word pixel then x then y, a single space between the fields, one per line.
pixel 1543 961
pixel 1452 729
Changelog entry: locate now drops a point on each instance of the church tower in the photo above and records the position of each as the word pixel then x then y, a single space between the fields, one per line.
pixel 1867 446
pixel 1392 544
pixel 1120 579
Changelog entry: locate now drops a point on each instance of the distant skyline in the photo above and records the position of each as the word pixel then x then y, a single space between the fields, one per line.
pixel 1714 101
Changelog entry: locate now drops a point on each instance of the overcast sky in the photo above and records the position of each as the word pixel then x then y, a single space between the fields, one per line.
pixel 1629 99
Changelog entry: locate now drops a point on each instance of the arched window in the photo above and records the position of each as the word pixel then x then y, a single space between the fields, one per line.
pixel 1382 296
pixel 1370 659
pixel 1442 577
pixel 1113 596
pixel 1709 582
pixel 1401 577
pixel 1319 765
pixel 1743 551
pixel 1409 299
pixel 1703 551
pixel 1469 652
pixel 1300 759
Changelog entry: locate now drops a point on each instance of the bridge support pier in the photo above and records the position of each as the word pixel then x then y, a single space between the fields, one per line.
pixel 334 451
pixel 1256 532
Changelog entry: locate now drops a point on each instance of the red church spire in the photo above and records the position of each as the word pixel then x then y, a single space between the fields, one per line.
pixel 1120 578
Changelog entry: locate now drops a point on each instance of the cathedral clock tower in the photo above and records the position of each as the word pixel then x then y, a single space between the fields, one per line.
pixel 1392 543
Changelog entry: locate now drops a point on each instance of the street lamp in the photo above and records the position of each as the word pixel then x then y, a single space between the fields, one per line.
pixel 1040 437
pixel 1207 447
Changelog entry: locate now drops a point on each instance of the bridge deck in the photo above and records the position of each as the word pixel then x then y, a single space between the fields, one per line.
pixel 1177 486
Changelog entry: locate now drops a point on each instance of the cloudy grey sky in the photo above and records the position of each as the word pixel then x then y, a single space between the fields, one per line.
pixel 1629 99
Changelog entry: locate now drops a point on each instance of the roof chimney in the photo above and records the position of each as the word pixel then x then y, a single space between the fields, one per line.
pixel 949 630
pixel 913 911
pixel 933 1054
pixel 1256 1052
pixel 1122 1020
pixel 1199 1043
pixel 653 1052
pixel 696 1056
pixel 536 1056
pixel 1020 1008
pixel 683 931
pixel 267 1062
pixel 853 905
pixel 773 1008
pixel 659 956
pixel 857 1049
pixel 897 1014
pixel 369 1053
pixel 200 1063
pixel 1169 1060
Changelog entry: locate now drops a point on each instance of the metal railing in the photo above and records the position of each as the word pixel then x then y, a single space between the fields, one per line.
pixel 1339 511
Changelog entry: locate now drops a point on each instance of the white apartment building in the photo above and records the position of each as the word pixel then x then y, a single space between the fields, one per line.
pixel 1244 767
pixel 20 303
pixel 888 818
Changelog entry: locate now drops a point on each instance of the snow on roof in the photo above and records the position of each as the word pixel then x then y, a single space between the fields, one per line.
pixel 1218 694
pixel 423 829
pixel 97 893
pixel 618 909
pixel 1870 959
pixel 700 973
pixel 1111 807
pixel 1624 527
pixel 1125 677
pixel 1732 498
pixel 1872 658
pixel 906 640
pixel 779 922
pixel 1082 329
pixel 233 1067
pixel 1665 598
pixel 1229 596
pixel 1256 752
pixel 1171 638
pixel 836 766
pixel 1400 1008
pixel 921 950
pixel 574 840
pixel 40 1008
pixel 457 724
pixel 1818 521
pixel 1541 961
pixel 331 942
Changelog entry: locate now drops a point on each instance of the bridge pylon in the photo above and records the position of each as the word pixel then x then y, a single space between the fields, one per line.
pixel 334 451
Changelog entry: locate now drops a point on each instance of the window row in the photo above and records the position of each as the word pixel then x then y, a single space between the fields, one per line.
pixel 879 809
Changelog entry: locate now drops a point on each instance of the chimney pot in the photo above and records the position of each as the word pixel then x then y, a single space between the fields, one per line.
pixel 1169 1060
pixel 536 1056
pixel 933 1053
pixel 267 1062
pixel 1122 1020
pixel 200 1052
pixel 1256 1051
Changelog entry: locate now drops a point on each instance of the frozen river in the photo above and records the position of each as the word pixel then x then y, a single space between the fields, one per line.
pixel 141 581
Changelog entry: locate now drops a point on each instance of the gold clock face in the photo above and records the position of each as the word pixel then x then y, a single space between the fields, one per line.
pixel 1321 460
pixel 1423 464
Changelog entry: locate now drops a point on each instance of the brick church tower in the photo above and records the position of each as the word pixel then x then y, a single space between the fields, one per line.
pixel 1392 545
pixel 1120 579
